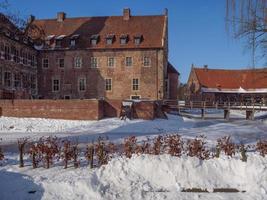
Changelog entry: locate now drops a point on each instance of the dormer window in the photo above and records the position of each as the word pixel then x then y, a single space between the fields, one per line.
pixel 123 39
pixel 94 39
pixel 59 40
pixel 110 39
pixel 73 40
pixel 48 39
pixel 16 37
pixel 138 39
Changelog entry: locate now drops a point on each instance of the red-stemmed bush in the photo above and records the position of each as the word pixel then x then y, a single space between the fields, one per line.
pixel 101 151
pixel 174 145
pixel 89 154
pixel 196 147
pixel 261 147
pixel 129 146
pixel 2 157
pixel 224 144
pixel 158 145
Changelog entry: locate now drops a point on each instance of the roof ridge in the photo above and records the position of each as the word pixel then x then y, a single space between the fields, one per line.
pixel 89 17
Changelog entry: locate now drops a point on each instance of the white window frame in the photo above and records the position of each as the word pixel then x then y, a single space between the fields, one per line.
pixel 145 62
pixel 135 85
pixel 17 75
pixel 108 84
pixel 53 84
pixel 127 63
pixel 113 62
pixel 79 88
pixel 78 62
pixel 43 63
pixel 94 62
pixel 59 59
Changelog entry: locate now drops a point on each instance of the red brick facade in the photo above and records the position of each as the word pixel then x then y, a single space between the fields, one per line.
pixel 129 59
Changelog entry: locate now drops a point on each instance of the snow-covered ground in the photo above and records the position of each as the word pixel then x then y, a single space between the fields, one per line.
pixel 141 177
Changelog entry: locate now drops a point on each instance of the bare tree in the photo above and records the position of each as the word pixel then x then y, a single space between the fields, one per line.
pixel 248 19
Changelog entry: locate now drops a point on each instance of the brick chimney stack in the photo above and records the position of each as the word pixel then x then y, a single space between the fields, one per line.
pixel 61 16
pixel 126 13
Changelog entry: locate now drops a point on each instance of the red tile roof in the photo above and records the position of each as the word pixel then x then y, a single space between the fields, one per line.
pixel 232 79
pixel 150 27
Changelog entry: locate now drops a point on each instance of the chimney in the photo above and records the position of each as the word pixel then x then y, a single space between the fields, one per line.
pixel 61 16
pixel 166 11
pixel 206 67
pixel 31 19
pixel 126 13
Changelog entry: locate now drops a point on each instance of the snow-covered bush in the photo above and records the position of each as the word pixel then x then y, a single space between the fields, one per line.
pixel 89 154
pixel 101 151
pixel 158 145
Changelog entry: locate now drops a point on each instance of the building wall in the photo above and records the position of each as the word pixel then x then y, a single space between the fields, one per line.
pixel 26 73
pixel 92 109
pixel 151 78
pixel 173 85
pixel 193 87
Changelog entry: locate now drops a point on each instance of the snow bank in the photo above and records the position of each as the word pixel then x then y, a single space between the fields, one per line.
pixel 146 177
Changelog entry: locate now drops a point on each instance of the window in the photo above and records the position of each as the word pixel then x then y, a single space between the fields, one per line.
pixel 61 62
pixel 77 62
pixel 7 53
pixel 16 55
pixel 128 61
pixel 45 63
pixel 123 39
pixel 73 40
pixel 111 62
pixel 17 80
pixel 146 61
pixel 109 39
pixel 94 63
pixel 24 58
pixel 82 84
pixel 72 43
pixel 94 39
pixel 135 97
pixel 58 43
pixel 138 39
pixel 135 84
pixel 67 97
pixel 7 79
pixel 108 84
pixel 32 60
pixel 55 85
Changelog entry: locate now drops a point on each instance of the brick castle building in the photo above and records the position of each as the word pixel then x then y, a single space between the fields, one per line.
pixel 115 57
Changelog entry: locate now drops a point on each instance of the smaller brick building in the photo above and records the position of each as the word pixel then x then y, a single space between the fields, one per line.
pixel 225 85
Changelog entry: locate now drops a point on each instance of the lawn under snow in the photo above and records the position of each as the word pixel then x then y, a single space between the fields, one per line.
pixel 141 177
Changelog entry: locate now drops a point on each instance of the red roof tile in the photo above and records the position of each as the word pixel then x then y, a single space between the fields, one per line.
pixel 150 27
pixel 232 79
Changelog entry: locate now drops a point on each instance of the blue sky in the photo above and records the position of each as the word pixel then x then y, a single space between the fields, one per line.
pixel 197 32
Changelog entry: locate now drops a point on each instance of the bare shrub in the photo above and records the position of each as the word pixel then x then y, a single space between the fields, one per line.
pixel 21 146
pixel 174 145
pixel 89 154
pixel 261 147
pixel 243 151
pixel 129 146
pixel 35 154
pixel 49 148
pixel 158 145
pixel 196 147
pixel 66 153
pixel 101 151
pixel 143 148
pixel 75 155
pixel 224 144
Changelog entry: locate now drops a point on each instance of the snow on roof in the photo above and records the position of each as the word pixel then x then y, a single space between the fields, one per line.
pixel 60 37
pixel 240 90
pixel 49 37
